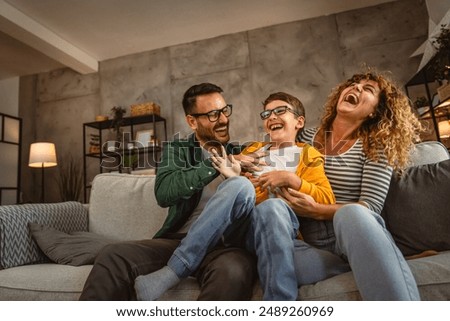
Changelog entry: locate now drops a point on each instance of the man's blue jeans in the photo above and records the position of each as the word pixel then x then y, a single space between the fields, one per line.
pixel 267 230
pixel 232 203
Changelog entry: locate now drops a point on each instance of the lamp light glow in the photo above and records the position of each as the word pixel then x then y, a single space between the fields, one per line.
pixel 444 129
pixel 42 155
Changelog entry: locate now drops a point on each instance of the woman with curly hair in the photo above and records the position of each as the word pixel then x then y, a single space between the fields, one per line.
pixel 368 130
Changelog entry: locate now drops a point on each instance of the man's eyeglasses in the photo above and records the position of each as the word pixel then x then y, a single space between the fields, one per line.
pixel 277 111
pixel 214 115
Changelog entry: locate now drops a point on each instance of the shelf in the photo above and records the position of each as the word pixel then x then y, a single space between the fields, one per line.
pixel 423 86
pixel 127 121
pixel 117 156
pixel 444 104
pixel 126 151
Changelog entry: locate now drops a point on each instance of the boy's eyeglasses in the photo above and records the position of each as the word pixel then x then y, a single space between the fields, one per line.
pixel 214 115
pixel 277 111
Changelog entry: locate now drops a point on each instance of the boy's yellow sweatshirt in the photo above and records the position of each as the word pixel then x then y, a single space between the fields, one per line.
pixel 310 169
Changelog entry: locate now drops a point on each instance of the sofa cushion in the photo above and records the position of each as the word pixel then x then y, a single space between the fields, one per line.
pixel 189 290
pixel 123 207
pixel 417 206
pixel 73 248
pixel 47 282
pixel 432 275
pixel 16 245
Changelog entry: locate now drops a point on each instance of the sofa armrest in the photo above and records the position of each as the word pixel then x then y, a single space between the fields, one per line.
pixel 428 153
pixel 17 246
pixel 123 207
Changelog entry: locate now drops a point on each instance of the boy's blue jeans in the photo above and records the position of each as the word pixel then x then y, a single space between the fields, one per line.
pixel 230 216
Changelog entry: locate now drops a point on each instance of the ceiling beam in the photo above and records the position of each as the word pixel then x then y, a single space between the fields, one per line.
pixel 25 29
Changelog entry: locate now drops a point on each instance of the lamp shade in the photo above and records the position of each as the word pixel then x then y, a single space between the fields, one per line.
pixel 42 155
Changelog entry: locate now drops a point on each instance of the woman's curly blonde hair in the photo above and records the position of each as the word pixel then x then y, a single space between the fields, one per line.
pixel 394 129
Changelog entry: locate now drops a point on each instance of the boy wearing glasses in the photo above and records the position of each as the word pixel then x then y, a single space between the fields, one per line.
pixel 231 216
pixel 290 164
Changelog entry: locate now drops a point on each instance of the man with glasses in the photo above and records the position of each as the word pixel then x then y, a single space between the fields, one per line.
pixel 185 181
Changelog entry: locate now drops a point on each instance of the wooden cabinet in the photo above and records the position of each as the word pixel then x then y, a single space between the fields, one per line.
pixel 137 149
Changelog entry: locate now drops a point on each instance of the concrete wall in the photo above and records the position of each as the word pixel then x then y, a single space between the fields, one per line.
pixel 9 93
pixel 305 58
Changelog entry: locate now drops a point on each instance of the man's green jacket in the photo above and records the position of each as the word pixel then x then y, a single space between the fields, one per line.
pixel 180 178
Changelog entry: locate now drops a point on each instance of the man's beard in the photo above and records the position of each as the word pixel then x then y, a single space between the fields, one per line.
pixel 209 137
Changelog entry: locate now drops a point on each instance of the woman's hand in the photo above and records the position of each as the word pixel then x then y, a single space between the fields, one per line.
pixel 228 166
pixel 304 205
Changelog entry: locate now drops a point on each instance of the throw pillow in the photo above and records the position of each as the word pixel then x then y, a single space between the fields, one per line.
pixel 16 245
pixel 74 248
pixel 417 208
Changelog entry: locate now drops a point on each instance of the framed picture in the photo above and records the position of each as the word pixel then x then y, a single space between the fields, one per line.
pixel 143 138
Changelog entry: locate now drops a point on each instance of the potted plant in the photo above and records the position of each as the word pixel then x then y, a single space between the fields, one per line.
pixel 129 162
pixel 117 121
pixel 421 104
pixel 441 62
pixel 115 136
pixel 70 180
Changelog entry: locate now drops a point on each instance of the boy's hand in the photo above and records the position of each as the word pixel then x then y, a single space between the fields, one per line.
pixel 279 178
pixel 252 162
pixel 228 166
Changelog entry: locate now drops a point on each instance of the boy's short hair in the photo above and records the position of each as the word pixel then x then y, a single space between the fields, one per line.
pixel 291 100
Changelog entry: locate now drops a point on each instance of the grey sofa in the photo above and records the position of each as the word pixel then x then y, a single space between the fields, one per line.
pixel 122 207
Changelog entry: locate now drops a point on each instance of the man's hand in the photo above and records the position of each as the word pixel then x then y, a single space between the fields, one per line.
pixel 228 166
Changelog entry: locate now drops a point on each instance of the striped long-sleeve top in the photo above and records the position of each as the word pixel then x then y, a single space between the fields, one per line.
pixel 354 177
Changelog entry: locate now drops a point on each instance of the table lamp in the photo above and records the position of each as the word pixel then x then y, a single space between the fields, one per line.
pixel 42 155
